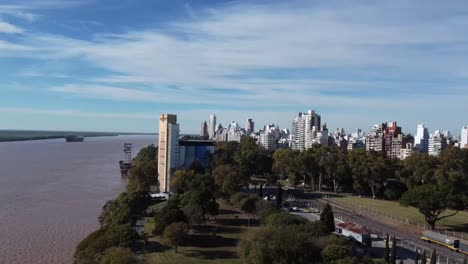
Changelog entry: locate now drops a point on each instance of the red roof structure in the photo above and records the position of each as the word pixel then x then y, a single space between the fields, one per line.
pixel 355 228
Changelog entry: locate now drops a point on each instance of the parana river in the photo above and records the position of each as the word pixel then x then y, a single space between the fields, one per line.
pixel 51 193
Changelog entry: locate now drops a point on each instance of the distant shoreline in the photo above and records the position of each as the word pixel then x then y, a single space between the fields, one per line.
pixel 23 135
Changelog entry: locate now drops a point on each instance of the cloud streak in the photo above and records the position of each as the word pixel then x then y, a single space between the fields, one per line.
pixel 9 28
pixel 251 56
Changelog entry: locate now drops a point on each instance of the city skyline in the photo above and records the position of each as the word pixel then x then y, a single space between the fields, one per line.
pixel 99 66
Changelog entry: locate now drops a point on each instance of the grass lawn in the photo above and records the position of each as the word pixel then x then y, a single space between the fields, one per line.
pixel 203 248
pixel 156 206
pixel 391 209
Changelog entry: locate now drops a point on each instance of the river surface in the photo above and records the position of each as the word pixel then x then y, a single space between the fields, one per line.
pixel 51 193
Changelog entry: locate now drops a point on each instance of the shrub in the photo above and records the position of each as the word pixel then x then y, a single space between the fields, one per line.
pixel 237 198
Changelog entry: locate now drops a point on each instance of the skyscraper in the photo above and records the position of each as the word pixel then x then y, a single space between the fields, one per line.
pixel 249 126
pixel 211 126
pixel 437 143
pixel 304 130
pixel 421 140
pixel 168 150
pixel 464 137
pixel 204 129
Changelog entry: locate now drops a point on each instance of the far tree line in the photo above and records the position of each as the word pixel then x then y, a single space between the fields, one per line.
pixel 431 184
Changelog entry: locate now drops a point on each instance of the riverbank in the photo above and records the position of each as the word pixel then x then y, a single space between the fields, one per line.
pixel 25 135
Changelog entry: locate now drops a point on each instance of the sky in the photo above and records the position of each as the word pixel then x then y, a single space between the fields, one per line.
pixel 106 65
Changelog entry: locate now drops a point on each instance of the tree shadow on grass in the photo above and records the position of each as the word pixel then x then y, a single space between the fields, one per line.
pixel 154 246
pixel 218 254
pixel 227 212
pixel 459 228
pixel 209 241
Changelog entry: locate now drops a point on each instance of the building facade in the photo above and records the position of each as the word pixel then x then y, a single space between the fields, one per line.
pixel 249 126
pixel 464 137
pixel 168 150
pixel 211 126
pixel 204 130
pixel 305 127
pixel 421 140
pixel 437 143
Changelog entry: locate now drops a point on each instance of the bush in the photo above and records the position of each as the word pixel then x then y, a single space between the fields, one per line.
pixel 332 253
pixel 284 219
pixel 118 255
pixel 90 249
pixel 237 198
pixel 391 194
pixel 169 214
pixel 264 209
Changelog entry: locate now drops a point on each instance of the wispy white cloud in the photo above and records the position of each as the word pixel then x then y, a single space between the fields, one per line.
pixel 8 28
pixel 251 56
pixel 74 113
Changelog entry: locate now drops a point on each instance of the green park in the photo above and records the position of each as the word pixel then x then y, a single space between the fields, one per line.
pixel 215 216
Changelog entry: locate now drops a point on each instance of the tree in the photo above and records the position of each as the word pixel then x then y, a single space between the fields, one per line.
pixel 225 153
pixel 327 218
pixel 358 162
pixel 246 158
pixel 433 257
pixel 202 193
pixel 237 198
pixel 144 170
pixel 308 167
pixel 424 257
pixel 377 174
pixel 279 196
pixel 181 180
pixel 394 251
pixel 387 249
pixel 287 244
pixel 432 201
pixel 249 206
pixel 122 235
pixel 418 169
pixel 284 165
pixel 280 219
pixel 167 215
pixel 227 179
pixel 332 253
pixel 118 255
pixel 174 234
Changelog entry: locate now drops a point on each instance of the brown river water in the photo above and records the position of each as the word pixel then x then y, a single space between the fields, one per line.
pixel 51 193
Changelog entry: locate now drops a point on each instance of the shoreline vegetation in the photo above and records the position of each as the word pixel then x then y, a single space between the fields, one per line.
pixel 27 135
pixel 215 216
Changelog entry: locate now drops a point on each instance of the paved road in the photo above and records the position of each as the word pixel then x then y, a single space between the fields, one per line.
pixel 404 237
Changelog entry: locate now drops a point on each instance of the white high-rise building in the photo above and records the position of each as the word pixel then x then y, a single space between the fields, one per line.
pixel 168 150
pixel 464 137
pixel 304 130
pixel 249 126
pixel 421 140
pixel 211 126
pixel 437 143
pixel 269 136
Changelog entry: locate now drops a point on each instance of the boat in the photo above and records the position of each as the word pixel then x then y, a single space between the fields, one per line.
pixel 74 139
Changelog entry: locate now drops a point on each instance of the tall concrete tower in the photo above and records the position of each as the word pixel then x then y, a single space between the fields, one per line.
pixel 168 150
pixel 249 126
pixel 464 137
pixel 211 126
pixel 421 140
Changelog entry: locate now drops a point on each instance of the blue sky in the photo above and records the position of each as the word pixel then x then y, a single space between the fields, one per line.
pixel 105 65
